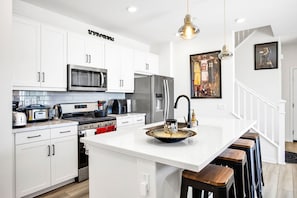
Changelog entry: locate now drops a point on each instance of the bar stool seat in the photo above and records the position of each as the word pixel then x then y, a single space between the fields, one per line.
pixel 250 148
pixel 237 160
pixel 252 135
pixel 213 178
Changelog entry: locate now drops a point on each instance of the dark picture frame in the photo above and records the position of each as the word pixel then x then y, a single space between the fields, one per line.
pixel 205 70
pixel 266 55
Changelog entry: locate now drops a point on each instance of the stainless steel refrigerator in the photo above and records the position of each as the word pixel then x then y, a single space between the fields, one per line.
pixel 153 95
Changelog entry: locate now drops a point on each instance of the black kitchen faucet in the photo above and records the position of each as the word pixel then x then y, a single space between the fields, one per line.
pixel 189 123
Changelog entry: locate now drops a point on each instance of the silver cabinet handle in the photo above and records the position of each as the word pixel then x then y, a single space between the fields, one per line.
pixel 90 58
pixel 38 78
pixel 35 136
pixel 122 83
pixel 43 77
pixel 65 131
pixel 125 122
pixel 87 58
pixel 49 150
pixel 54 150
pixel 147 66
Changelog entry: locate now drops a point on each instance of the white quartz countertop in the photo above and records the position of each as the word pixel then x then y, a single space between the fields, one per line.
pixel 214 135
pixel 44 125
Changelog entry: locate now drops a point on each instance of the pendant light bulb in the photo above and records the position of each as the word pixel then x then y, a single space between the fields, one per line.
pixel 225 53
pixel 188 30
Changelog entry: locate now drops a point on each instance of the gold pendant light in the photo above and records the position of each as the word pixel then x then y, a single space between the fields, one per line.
pixel 225 53
pixel 188 30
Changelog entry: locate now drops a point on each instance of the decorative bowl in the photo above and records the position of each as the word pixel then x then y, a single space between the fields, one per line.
pixel 170 137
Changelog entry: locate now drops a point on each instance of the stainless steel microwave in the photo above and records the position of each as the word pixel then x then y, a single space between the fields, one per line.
pixel 82 78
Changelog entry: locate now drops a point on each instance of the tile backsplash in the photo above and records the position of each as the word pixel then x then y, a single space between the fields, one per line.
pixel 51 98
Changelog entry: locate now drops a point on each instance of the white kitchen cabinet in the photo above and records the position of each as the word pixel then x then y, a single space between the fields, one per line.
pixel 53 57
pixel 86 51
pixel 130 119
pixel 119 65
pixel 25 52
pixel 32 162
pixel 38 56
pixel 45 158
pixel 145 62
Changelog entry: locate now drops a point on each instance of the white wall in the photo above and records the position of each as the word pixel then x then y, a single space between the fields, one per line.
pixel 181 52
pixel 6 140
pixel 266 82
pixel 45 16
pixel 290 60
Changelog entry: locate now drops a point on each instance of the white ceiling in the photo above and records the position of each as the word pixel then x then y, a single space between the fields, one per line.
pixel 157 21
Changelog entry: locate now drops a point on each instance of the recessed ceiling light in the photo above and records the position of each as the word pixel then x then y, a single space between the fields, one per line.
pixel 240 20
pixel 131 9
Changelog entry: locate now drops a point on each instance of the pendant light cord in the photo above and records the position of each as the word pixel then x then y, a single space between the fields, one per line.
pixel 224 22
pixel 187 6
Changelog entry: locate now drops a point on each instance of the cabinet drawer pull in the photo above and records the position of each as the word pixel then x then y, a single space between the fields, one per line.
pixel 90 59
pixel 65 131
pixel 139 120
pixel 125 122
pixel 35 136
pixel 54 150
pixel 49 150
pixel 43 77
pixel 38 73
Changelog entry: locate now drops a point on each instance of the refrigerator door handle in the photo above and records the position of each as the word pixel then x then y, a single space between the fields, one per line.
pixel 165 102
pixel 167 98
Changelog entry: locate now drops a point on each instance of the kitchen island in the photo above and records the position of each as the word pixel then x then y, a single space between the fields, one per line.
pixel 128 163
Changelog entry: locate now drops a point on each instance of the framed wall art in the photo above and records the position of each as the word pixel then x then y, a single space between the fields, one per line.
pixel 205 69
pixel 266 56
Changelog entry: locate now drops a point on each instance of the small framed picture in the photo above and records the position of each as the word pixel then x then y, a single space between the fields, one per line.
pixel 205 69
pixel 266 56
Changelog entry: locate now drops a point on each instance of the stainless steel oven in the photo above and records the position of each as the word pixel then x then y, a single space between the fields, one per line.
pixel 88 124
pixel 82 78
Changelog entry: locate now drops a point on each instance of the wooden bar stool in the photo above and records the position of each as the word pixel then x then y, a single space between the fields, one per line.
pixel 250 149
pixel 213 178
pixel 252 135
pixel 237 160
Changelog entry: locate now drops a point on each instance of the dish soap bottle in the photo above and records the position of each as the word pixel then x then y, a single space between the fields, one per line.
pixel 194 120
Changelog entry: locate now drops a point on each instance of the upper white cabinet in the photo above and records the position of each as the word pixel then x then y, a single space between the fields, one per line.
pixel 38 56
pixel 83 50
pixel 145 62
pixel 119 65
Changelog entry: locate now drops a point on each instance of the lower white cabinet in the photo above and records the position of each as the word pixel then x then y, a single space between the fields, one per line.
pixel 45 158
pixel 130 119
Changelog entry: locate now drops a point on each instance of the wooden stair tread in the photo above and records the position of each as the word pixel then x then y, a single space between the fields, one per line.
pixel 251 135
pixel 245 143
pixel 212 174
pixel 234 155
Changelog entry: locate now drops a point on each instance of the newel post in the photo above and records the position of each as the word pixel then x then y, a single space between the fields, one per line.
pixel 281 131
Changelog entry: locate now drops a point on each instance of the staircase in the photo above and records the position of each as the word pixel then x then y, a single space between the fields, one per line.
pixel 270 120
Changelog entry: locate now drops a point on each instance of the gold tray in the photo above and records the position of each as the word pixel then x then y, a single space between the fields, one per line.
pixel 167 137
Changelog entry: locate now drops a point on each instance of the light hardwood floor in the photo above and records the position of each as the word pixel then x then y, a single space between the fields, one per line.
pixel 280 182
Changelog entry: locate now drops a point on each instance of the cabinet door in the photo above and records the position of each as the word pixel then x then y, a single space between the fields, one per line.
pixel 25 52
pixel 113 66
pixel 140 64
pixel 32 167
pixel 76 49
pixel 127 70
pixel 95 53
pixel 53 57
pixel 64 162
pixel 152 63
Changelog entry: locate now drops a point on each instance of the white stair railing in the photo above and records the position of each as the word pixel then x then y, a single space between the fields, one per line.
pixel 270 117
